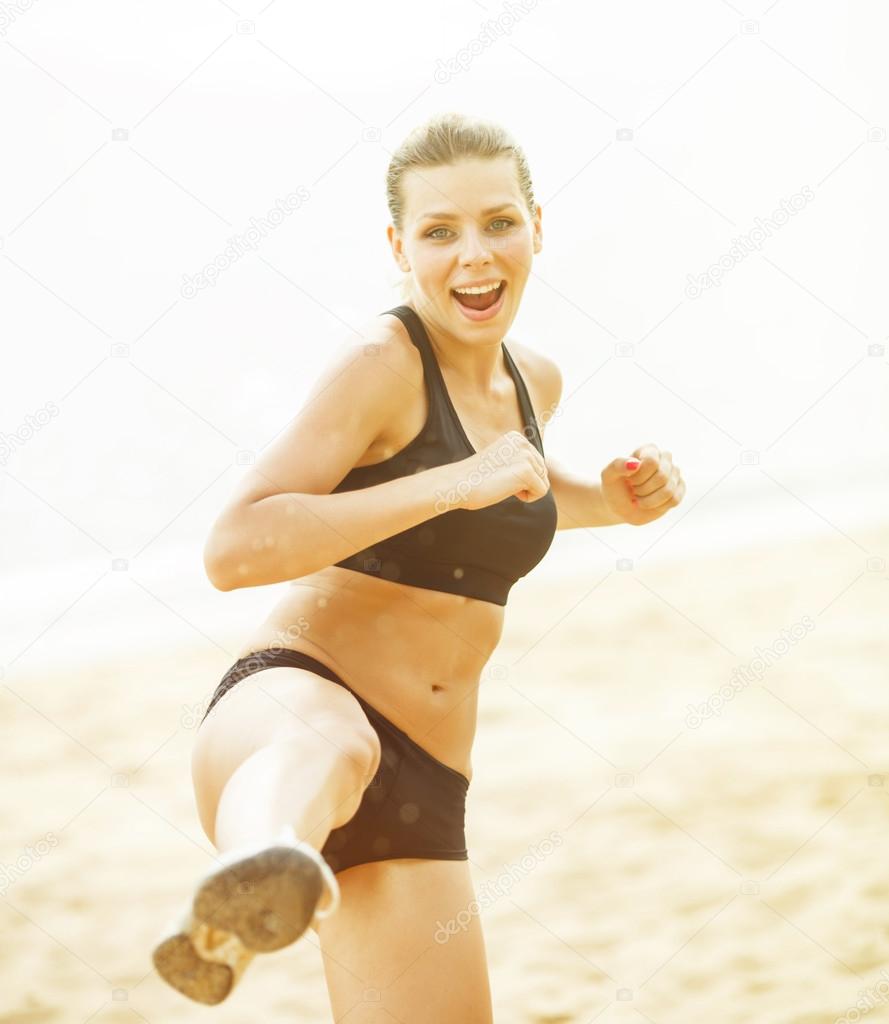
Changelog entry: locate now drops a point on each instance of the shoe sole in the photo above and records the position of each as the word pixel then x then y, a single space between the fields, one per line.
pixel 206 978
pixel 267 899
pixel 259 904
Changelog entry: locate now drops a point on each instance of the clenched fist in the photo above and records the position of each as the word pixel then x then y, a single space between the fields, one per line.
pixel 642 489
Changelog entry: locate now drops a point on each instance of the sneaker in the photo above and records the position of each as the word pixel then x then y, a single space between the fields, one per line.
pixel 254 900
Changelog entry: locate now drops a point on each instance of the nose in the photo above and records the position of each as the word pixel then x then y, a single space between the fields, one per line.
pixel 476 248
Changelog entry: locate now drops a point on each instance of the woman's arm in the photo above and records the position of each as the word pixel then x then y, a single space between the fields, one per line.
pixel 285 536
pixel 578 500
pixel 283 522
pixel 636 494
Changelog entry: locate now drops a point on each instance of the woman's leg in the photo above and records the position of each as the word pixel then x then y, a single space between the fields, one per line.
pixel 284 746
pixel 406 945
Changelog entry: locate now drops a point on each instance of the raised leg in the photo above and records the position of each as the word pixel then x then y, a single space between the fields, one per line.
pixel 285 746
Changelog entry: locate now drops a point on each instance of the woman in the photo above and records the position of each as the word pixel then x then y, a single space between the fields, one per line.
pixel 404 500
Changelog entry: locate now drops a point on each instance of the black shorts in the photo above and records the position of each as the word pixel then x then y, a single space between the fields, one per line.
pixel 415 805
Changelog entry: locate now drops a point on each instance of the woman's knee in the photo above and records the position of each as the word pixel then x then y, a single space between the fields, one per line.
pixel 359 743
pixel 325 728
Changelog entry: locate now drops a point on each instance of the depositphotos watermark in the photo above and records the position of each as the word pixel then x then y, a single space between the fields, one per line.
pixel 492 891
pixel 743 245
pixel 454 496
pixel 744 675
pixel 492 30
pixel 868 999
pixel 9 12
pixel 193 714
pixel 23 433
pixel 241 244
pixel 11 873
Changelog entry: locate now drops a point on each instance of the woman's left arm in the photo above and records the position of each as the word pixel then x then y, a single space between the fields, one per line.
pixel 635 490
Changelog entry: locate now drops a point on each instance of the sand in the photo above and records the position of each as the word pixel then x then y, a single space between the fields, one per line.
pixel 637 857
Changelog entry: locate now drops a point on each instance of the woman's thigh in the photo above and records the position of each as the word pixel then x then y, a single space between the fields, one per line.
pixel 278 703
pixel 405 945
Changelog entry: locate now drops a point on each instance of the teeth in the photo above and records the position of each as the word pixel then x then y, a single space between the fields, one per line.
pixel 478 291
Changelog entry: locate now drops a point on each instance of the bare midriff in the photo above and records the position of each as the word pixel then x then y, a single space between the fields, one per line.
pixel 415 655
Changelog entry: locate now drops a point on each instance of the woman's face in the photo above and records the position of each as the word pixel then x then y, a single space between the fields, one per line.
pixel 467 224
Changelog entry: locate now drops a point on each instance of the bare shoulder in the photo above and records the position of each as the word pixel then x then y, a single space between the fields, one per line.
pixel 384 343
pixel 386 340
pixel 541 375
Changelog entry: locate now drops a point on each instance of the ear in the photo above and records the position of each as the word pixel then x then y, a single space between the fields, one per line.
pixel 538 228
pixel 397 244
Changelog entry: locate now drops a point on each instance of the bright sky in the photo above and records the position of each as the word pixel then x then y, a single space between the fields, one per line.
pixel 662 140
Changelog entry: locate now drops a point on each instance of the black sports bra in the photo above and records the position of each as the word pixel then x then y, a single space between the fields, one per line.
pixel 474 552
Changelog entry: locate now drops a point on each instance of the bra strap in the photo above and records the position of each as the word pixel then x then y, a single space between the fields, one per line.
pixel 524 401
pixel 436 393
pixel 416 330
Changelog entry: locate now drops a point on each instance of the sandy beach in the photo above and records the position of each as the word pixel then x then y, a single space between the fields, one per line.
pixel 679 809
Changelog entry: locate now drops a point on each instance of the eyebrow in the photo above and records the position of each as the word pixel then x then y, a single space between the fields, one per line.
pixel 452 216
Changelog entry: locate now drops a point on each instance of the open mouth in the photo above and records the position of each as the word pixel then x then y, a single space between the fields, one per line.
pixel 480 307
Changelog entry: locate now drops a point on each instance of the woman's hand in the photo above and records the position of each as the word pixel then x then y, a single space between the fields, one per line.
pixel 508 466
pixel 642 489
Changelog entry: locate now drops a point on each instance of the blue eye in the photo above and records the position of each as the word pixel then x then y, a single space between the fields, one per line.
pixel 499 220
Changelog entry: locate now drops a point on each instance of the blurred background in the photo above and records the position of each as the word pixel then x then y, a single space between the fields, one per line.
pixel 713 280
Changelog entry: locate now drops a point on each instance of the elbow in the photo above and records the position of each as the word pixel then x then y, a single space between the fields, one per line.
pixel 217 566
pixel 223 583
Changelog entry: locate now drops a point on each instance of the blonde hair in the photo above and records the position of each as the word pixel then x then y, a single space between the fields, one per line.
pixel 445 139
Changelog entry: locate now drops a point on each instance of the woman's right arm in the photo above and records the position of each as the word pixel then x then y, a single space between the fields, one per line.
pixel 282 522
pixel 285 536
